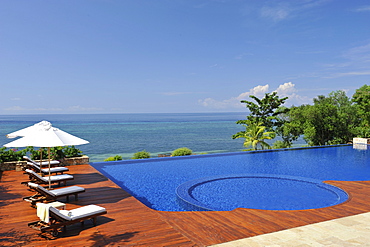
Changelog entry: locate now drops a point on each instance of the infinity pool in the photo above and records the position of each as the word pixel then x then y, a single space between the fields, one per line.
pixel 288 179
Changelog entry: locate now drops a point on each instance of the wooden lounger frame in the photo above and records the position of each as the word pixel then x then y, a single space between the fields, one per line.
pixel 41 196
pixel 37 180
pixel 57 222
pixel 38 169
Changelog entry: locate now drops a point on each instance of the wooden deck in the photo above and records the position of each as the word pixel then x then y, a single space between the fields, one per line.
pixel 130 223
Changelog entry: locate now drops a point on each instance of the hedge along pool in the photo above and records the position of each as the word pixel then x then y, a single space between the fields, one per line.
pixel 286 179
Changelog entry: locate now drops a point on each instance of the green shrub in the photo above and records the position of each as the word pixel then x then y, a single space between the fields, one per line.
pixel 182 152
pixel 280 144
pixel 71 151
pixel 114 158
pixel 56 153
pixel 11 154
pixel 141 155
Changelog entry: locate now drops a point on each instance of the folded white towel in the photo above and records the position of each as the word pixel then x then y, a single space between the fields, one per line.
pixel 43 212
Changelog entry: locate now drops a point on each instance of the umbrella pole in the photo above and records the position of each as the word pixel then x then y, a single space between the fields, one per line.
pixel 49 167
pixel 41 162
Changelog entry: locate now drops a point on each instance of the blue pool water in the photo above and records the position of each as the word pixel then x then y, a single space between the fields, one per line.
pixel 283 180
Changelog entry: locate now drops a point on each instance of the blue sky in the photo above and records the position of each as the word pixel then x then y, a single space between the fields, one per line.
pixel 125 56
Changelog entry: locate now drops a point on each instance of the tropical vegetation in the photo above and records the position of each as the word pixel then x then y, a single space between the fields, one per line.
pixel 141 155
pixel 182 152
pixel 56 153
pixel 255 135
pixel 264 120
pixel 114 158
pixel 331 119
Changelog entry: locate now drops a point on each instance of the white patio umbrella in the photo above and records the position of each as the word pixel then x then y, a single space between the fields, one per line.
pixel 44 135
pixel 29 130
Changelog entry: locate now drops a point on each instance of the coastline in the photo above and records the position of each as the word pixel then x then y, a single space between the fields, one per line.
pixel 126 134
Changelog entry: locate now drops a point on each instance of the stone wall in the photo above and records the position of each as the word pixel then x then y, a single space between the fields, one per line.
pixel 18 165
pixel 76 161
pixel 13 165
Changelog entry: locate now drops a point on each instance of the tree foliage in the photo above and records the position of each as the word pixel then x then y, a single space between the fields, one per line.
pixel 182 152
pixel 263 120
pixel 265 110
pixel 330 120
pixel 255 135
pixel 141 155
pixel 114 158
pixel 362 100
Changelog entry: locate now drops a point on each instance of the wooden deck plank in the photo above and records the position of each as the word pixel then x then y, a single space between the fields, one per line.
pixel 130 223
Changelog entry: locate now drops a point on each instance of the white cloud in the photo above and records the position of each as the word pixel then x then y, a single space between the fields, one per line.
pixel 223 104
pixel 277 13
pixel 234 102
pixel 33 110
pixel 351 73
pixel 285 10
pixel 20 109
pixel 258 91
pixel 177 93
pixel 14 108
pixel 363 9
pixel 356 64
pixel 78 108
pixel 288 90
pixel 359 53
pixel 284 90
pixel 242 55
pixel 172 93
pixel 15 99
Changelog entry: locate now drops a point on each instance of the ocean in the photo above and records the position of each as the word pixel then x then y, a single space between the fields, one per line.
pixel 126 134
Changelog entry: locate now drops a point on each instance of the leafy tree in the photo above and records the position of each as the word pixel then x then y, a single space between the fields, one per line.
pixel 362 100
pixel 330 120
pixel 289 131
pixel 265 110
pixel 255 135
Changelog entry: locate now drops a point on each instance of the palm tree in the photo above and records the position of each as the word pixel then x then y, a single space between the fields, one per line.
pixel 255 135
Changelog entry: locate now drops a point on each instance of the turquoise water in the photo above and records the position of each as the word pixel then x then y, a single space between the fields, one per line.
pixel 126 134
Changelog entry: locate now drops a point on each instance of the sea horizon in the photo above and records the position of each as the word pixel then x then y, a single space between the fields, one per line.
pixel 124 134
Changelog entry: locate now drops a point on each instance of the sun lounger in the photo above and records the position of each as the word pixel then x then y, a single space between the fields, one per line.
pixel 43 163
pixel 36 178
pixel 52 219
pixel 43 194
pixel 45 171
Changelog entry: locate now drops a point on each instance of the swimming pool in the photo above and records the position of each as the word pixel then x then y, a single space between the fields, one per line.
pixel 263 180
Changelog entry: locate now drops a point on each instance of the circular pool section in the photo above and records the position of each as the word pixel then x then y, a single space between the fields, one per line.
pixel 257 191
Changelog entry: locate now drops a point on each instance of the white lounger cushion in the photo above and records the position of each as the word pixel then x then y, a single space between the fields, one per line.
pixel 66 190
pixel 52 162
pixel 58 177
pixel 52 169
pixel 78 213
pixel 58 192
pixel 55 169
pixel 52 178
